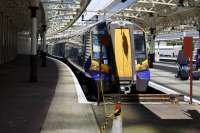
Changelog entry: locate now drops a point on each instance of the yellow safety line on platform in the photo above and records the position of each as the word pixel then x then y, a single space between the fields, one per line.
pixel 103 127
pixel 108 116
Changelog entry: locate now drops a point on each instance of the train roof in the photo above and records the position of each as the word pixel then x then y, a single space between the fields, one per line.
pixel 116 22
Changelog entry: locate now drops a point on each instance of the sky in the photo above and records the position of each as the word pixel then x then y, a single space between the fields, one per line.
pixel 94 6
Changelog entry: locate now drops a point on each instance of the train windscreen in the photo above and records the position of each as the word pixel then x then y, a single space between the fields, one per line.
pixel 139 43
pixel 96 47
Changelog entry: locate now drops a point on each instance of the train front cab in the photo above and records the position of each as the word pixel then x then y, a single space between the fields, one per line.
pixel 131 62
pixel 124 59
pixel 123 68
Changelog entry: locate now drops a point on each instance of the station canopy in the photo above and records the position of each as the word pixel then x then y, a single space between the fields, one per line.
pixel 163 15
pixel 18 13
pixel 61 14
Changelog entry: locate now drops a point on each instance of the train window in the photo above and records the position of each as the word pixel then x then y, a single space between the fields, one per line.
pixel 96 39
pixel 139 41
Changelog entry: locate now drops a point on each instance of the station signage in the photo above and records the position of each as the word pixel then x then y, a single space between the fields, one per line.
pixel 187 41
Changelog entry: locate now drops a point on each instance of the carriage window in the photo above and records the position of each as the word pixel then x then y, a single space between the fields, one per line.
pixel 96 39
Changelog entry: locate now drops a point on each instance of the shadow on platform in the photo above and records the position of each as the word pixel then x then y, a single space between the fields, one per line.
pixel 24 105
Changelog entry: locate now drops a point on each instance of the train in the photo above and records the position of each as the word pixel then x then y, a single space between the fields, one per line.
pixel 172 51
pixel 168 51
pixel 115 54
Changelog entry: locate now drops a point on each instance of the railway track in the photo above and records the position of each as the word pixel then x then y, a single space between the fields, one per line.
pixel 152 95
pixel 136 98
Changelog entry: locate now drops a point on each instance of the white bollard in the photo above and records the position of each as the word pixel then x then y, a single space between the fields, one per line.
pixel 117 125
pixel 117 120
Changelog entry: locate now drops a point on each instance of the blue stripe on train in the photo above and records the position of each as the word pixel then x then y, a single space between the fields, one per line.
pixel 96 75
pixel 143 75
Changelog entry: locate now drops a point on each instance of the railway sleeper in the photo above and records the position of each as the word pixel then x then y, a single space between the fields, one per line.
pixel 143 98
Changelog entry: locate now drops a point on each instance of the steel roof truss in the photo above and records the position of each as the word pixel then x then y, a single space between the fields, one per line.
pixel 158 2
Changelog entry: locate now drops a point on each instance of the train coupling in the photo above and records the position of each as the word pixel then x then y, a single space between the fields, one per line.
pixel 126 89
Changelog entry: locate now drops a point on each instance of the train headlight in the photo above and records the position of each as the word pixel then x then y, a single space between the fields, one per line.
pixel 95 67
pixel 143 66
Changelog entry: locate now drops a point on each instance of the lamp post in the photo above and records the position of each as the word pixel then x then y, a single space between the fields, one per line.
pixel 33 56
pixel 152 29
pixel 43 54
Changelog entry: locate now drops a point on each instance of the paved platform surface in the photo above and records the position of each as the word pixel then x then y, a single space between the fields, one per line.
pixel 23 105
pixel 154 118
pixel 168 79
pixel 65 114
pixel 48 106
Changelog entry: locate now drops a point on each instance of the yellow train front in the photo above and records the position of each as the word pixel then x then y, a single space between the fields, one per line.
pixel 115 52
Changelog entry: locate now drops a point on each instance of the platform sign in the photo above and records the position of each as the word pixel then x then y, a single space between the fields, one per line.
pixel 187 41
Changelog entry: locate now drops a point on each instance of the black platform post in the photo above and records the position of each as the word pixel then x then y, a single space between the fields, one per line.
pixel 180 3
pixel 43 54
pixel 152 47
pixel 152 25
pixel 33 56
pixel 199 34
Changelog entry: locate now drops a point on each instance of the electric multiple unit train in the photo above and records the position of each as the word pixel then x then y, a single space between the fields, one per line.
pixel 115 53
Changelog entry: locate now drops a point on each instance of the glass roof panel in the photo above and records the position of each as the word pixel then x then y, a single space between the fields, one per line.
pixel 165 13
pixel 60 13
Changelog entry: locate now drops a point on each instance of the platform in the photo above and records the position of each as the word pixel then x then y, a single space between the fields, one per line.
pixel 66 114
pixel 48 106
pixel 168 80
pixel 155 118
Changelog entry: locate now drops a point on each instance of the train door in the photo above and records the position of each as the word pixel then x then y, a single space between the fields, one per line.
pixel 123 53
